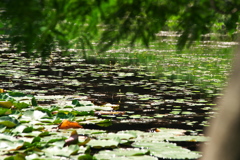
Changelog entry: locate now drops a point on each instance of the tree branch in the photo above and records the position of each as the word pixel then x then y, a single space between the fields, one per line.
pixel 217 9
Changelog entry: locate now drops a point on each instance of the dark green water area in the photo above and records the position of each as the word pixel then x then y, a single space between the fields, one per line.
pixel 144 101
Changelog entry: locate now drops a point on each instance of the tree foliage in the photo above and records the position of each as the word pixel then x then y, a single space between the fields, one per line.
pixel 41 26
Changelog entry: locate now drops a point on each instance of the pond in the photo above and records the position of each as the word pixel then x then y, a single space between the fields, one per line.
pixel 140 104
pixel 147 102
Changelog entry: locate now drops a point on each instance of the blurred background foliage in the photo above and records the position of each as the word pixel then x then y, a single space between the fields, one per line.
pixel 38 27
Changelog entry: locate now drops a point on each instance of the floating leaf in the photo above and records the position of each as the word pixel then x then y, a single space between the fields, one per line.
pixel 125 154
pixel 98 144
pixel 16 94
pixel 167 150
pixel 20 105
pixel 59 151
pixel 188 138
pixel 85 157
pixel 6 104
pixel 104 123
pixel 92 131
pixel 66 124
pixel 5 111
pixel 92 108
pixel 76 103
pixel 9 122
pixel 99 121
pixel 18 156
pixel 33 115
pixel 6 144
pixel 119 135
pixel 109 113
pixel 23 129
pixel 84 140
pixel 34 101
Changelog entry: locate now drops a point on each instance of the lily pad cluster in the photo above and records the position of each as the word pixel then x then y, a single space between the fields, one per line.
pixel 149 100
pixel 34 131
pixel 106 109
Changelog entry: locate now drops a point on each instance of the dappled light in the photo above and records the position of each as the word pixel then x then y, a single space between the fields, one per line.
pixel 111 79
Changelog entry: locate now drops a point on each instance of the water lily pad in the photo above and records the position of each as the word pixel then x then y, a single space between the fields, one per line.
pixel 188 138
pixel 10 145
pixel 6 104
pixel 17 156
pixel 98 121
pixel 20 105
pixel 98 144
pixel 119 135
pixel 34 134
pixel 5 111
pixel 93 108
pixel 167 150
pixel 30 115
pixel 161 134
pixel 8 121
pixel 91 131
pixel 62 151
pixel 23 129
pixel 125 154
pixel 16 94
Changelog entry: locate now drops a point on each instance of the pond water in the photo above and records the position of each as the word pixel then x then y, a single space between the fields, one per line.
pixel 146 101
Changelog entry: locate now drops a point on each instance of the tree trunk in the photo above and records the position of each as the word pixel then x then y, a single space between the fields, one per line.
pixel 225 128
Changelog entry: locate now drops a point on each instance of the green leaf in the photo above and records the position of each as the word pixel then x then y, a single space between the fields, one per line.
pixel 8 144
pixel 8 121
pixel 3 96
pixel 188 139
pixel 93 108
pixel 76 103
pixel 36 140
pixel 122 137
pixel 91 131
pixel 85 157
pixel 23 129
pixel 20 105
pixel 16 94
pixel 34 101
pixel 5 111
pixel 6 104
pixel 126 152
pixel 18 156
pixel 46 133
pixel 33 115
pixel 98 144
pixel 167 150
pixel 99 122
pixel 60 151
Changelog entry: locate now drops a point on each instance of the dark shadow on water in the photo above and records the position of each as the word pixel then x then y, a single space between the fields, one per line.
pixel 160 103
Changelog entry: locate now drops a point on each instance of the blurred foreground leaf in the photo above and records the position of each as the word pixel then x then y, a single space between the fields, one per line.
pixel 8 121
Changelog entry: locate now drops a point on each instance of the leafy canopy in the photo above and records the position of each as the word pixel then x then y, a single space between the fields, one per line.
pixel 41 26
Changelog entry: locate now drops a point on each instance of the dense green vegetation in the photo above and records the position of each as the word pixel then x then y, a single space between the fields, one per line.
pixel 138 100
pixel 41 26
pixel 121 70
pixel 205 64
pixel 33 131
